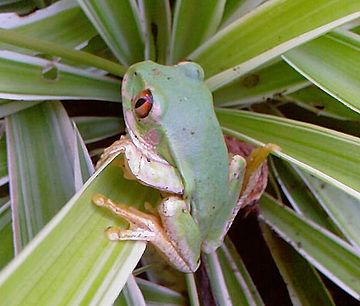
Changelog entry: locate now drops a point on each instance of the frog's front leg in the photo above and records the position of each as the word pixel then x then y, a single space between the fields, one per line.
pixel 170 235
pixel 148 169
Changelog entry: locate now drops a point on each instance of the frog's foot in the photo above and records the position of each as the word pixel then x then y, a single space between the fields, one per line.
pixel 143 227
pixel 255 177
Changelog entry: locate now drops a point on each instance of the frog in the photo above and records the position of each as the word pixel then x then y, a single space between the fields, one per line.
pixel 174 143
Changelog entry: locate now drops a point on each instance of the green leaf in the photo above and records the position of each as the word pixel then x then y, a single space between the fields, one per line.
pixel 31 78
pixel 157 29
pixel 68 54
pixel 234 9
pixel 330 155
pixel 192 289
pixel 131 294
pixel 82 160
pixel 319 102
pixel 8 107
pixel 265 33
pixel 329 254
pixel 73 246
pixel 96 128
pixel 40 3
pixel 20 7
pixel 3 157
pixel 118 24
pixel 332 63
pixel 6 236
pixel 275 79
pixel 300 197
pixel 158 295
pixel 229 279
pixel 344 210
pixel 194 22
pixel 45 24
pixel 40 143
pixel 302 281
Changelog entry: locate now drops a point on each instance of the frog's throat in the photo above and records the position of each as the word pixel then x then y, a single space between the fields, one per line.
pixel 145 148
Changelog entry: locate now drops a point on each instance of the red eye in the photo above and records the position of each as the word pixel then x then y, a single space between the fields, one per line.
pixel 143 103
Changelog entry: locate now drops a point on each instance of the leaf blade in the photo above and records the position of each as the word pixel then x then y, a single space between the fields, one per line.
pixel 45 24
pixel 193 23
pixel 79 250
pixel 22 78
pixel 333 257
pixel 301 143
pixel 339 69
pixel 118 24
pixel 303 282
pixel 259 85
pixel 267 32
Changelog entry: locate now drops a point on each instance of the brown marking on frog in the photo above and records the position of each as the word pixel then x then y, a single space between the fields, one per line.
pixel 152 137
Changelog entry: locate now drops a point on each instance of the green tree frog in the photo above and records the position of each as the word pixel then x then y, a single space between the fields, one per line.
pixel 174 143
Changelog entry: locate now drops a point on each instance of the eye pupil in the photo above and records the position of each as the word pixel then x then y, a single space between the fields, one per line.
pixel 143 104
pixel 140 102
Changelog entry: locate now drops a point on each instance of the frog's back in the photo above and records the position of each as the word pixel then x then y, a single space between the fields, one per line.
pixel 195 139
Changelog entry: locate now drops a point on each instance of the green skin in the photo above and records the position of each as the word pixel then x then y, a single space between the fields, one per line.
pixel 182 131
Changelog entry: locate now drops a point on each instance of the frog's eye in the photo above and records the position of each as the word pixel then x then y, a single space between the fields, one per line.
pixel 143 103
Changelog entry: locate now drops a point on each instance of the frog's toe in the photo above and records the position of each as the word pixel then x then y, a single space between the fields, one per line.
pixel 112 233
pixel 98 199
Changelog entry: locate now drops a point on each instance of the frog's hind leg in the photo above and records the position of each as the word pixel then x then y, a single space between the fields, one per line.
pixel 145 227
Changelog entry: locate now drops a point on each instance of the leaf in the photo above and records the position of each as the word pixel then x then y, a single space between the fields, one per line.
pixel 330 155
pixel 6 237
pixel 8 107
pixel 329 254
pixel 20 7
pixel 3 157
pixel 158 295
pixel 82 160
pixel 332 63
pixel 275 79
pixel 234 9
pixel 157 29
pixel 319 102
pixel 73 246
pixel 300 197
pixel 45 24
pixel 229 279
pixel 272 29
pixel 96 128
pixel 118 24
pixel 68 54
pixel 194 22
pixel 192 289
pixel 40 3
pixel 40 143
pixel 343 209
pixel 303 282
pixel 131 294
pixel 23 77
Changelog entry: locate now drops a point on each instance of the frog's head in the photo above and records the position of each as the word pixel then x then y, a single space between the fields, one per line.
pixel 155 99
